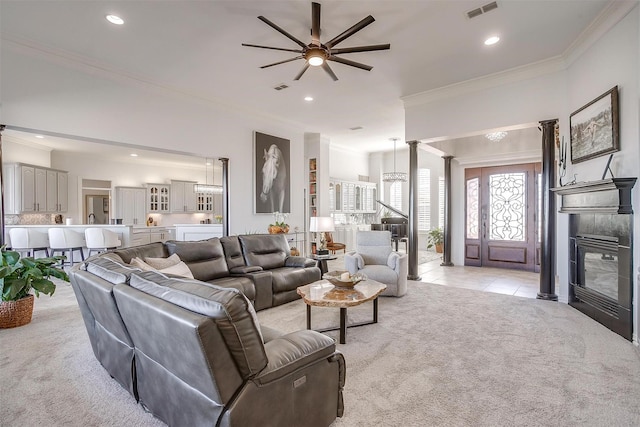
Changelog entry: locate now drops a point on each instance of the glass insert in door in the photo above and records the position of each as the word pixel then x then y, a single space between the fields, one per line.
pixel 507 207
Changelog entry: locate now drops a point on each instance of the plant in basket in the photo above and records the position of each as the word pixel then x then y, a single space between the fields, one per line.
pixel 280 225
pixel 18 278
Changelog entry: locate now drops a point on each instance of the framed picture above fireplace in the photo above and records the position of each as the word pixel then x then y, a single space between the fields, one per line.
pixel 594 128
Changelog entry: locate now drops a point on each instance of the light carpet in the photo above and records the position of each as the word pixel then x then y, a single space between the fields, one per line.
pixel 439 356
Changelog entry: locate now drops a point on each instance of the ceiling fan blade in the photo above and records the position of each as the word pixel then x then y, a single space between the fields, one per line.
pixel 329 71
pixel 348 62
pixel 305 68
pixel 315 23
pixel 351 31
pixel 361 49
pixel 282 62
pixel 273 48
pixel 281 31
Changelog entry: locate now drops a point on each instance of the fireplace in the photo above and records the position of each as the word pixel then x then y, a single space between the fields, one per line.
pixel 600 251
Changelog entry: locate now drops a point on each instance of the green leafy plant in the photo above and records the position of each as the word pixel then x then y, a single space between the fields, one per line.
pixel 435 237
pixel 18 276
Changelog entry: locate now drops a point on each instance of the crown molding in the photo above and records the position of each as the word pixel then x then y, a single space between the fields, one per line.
pixel 499 158
pixel 611 15
pixel 512 75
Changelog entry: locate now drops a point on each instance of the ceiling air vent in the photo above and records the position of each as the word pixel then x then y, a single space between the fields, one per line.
pixel 281 86
pixel 482 9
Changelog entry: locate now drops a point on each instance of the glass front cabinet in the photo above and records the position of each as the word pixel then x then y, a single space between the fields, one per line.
pixel 352 196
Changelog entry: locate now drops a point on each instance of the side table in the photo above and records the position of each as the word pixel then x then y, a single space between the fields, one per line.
pixel 321 262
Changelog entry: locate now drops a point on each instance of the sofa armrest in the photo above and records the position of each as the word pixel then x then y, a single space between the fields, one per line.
pixel 353 262
pixel 396 260
pixel 244 269
pixel 290 352
pixel 299 261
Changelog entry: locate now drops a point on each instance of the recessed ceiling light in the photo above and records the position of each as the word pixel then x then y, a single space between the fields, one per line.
pixel 308 98
pixel 133 155
pixel 40 136
pixel 114 19
pixel 492 40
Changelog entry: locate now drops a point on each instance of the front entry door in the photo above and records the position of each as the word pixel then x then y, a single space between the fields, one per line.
pixel 502 208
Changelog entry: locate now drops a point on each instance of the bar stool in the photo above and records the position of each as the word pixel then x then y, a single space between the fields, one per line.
pixel 100 240
pixel 29 240
pixel 64 240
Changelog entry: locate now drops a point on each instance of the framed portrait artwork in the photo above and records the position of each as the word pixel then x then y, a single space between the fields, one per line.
pixel 594 128
pixel 272 174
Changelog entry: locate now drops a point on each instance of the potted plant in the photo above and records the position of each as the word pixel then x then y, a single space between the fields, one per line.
pixel 435 237
pixel 18 277
pixel 280 225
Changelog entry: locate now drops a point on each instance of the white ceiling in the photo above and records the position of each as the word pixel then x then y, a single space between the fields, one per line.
pixel 195 47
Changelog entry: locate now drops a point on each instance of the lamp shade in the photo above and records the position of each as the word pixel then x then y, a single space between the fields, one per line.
pixel 320 224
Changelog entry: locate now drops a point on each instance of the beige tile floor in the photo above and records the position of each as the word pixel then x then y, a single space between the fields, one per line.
pixel 498 280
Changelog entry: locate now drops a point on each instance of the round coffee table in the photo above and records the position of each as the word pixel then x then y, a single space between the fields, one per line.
pixel 330 296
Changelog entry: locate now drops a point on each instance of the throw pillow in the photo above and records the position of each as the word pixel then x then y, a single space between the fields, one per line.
pixel 179 269
pixel 160 263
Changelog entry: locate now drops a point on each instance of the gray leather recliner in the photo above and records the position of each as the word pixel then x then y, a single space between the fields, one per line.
pixel 202 358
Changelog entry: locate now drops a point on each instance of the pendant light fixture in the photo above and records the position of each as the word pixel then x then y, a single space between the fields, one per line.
pixel 208 188
pixel 394 176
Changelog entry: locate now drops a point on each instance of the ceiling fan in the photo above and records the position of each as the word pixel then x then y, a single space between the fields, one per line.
pixel 317 53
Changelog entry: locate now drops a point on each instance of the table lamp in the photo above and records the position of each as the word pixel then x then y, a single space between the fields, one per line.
pixel 321 224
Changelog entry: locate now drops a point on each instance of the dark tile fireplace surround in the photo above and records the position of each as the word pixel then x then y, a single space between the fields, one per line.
pixel 601 250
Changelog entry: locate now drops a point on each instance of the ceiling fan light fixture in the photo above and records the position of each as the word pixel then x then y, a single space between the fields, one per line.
pixel 315 56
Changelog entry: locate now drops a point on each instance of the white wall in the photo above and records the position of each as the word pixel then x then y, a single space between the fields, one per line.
pixel 611 60
pixel 347 164
pixel 13 152
pixel 47 93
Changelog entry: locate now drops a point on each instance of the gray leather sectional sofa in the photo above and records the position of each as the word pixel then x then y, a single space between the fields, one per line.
pixel 192 350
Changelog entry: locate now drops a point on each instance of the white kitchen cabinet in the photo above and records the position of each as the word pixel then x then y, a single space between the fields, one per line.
pixel 57 191
pixel 183 196
pixel 131 205
pixel 157 234
pixel 34 189
pixel 158 198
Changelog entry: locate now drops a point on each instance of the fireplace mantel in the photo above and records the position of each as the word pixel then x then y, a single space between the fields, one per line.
pixel 611 196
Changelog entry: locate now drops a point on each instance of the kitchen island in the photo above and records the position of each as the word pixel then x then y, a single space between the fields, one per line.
pixel 191 232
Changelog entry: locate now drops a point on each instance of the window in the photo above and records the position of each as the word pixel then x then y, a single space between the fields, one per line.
pixel 424 199
pixel 395 195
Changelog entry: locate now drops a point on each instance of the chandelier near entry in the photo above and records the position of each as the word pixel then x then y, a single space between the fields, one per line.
pixel 394 176
pixel 495 136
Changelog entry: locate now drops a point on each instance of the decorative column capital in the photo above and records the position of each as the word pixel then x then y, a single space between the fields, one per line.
pixel 2 127
pixel 224 159
pixel 549 122
pixel 413 143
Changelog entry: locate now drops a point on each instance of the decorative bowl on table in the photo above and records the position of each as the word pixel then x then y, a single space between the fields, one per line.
pixel 342 279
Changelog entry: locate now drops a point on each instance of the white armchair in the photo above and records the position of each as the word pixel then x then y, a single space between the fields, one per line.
pixel 375 258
